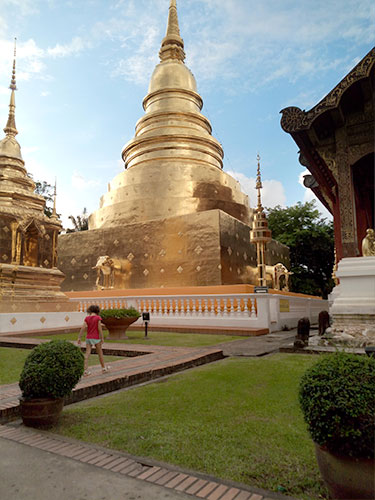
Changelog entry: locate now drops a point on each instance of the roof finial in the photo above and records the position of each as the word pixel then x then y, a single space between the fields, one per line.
pixel 172 26
pixel 259 186
pixel 172 45
pixel 54 215
pixel 10 128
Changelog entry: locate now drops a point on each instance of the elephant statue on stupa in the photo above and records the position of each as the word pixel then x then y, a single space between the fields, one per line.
pixel 114 272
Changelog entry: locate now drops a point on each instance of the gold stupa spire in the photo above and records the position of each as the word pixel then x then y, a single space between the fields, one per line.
pixel 173 161
pixel 54 214
pixel 259 186
pixel 10 128
pixel 260 234
pixel 172 45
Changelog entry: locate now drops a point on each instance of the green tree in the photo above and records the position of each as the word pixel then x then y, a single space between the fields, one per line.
pixel 80 222
pixel 311 243
pixel 47 191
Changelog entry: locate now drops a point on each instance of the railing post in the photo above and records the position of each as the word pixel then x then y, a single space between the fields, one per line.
pixel 263 311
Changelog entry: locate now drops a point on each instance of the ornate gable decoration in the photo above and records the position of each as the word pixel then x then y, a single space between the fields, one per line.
pixel 294 119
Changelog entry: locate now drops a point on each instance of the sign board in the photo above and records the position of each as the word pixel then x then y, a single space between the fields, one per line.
pixel 145 316
pixel 261 289
pixel 284 305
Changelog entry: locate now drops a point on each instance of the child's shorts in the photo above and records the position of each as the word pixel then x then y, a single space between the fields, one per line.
pixel 92 341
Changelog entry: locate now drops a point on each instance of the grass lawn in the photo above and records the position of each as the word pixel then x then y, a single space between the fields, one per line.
pixel 12 361
pixel 161 338
pixel 236 419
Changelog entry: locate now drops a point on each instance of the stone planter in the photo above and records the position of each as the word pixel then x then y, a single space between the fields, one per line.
pixel 346 477
pixel 118 326
pixel 41 413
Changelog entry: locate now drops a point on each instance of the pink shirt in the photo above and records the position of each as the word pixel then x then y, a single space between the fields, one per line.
pixel 92 326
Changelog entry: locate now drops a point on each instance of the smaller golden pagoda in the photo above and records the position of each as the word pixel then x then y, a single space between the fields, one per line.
pixel 29 278
pixel 260 234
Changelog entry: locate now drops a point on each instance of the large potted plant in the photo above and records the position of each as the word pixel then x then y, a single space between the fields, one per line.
pixel 337 397
pixel 49 374
pixel 117 321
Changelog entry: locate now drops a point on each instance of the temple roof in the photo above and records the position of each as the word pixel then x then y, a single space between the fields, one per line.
pixel 294 119
pixel 314 131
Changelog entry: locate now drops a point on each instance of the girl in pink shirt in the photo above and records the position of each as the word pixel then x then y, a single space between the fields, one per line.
pixel 94 336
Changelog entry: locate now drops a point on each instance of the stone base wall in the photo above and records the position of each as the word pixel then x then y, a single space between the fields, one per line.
pixel 202 249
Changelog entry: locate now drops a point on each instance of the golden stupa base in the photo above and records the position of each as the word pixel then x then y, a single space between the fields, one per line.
pixel 32 289
pixel 200 249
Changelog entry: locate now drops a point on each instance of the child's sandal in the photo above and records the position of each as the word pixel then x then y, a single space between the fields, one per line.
pixel 86 373
pixel 106 369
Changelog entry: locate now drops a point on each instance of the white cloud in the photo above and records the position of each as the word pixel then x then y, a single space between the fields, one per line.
pixel 39 171
pixel 81 184
pixel 275 39
pixel 29 149
pixel 21 7
pixel 76 46
pixel 272 193
pixel 32 59
pixel 29 59
pixel 257 43
pixel 68 203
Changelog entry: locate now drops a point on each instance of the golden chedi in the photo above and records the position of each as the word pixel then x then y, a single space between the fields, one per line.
pixel 174 164
pixel 173 217
pixel 29 278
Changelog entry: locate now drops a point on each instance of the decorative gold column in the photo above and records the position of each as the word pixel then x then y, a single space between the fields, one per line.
pixel 14 227
pixel 260 234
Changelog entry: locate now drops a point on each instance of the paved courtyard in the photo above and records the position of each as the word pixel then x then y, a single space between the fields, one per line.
pixel 35 464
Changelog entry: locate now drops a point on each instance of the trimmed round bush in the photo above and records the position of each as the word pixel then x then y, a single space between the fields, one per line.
pixel 337 397
pixel 51 370
pixel 131 312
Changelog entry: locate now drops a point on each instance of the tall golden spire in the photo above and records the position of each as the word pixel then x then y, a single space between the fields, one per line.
pixel 172 45
pixel 173 140
pixel 54 215
pixel 10 128
pixel 260 234
pixel 259 186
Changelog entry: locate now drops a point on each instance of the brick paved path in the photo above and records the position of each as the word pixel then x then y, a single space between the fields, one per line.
pixel 140 364
pixel 173 478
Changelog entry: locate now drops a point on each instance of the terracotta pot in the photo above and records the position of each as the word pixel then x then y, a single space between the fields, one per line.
pixel 118 326
pixel 44 412
pixel 346 477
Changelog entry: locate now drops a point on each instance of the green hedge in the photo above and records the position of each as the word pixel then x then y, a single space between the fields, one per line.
pixel 51 370
pixel 337 397
pixel 131 312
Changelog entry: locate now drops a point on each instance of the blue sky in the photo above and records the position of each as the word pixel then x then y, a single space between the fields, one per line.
pixel 83 68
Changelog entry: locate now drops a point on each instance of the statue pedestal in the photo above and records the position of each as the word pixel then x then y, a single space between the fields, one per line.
pixel 353 301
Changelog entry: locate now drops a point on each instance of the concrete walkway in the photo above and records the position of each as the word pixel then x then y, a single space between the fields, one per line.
pixel 258 346
pixel 35 465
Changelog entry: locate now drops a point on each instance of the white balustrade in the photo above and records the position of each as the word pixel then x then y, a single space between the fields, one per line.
pixel 225 310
